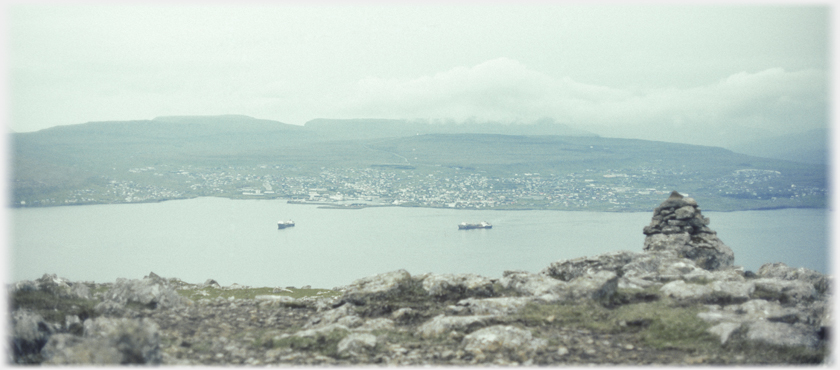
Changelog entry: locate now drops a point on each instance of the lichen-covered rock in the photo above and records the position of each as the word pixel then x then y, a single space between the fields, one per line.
pixel 598 285
pixel 530 284
pixel 379 324
pixel 331 316
pixel 785 291
pixel 646 269
pixel 498 338
pixel 67 349
pixel 778 270
pixel 442 324
pixel 757 319
pixel 457 286
pixel 678 225
pixel 152 292
pixel 782 334
pixel 355 343
pixel 380 286
pixel 29 335
pixel 492 306
pixel 107 341
pixel 52 284
pixel 137 340
pixel 322 331
pixel 568 270
pixel 726 292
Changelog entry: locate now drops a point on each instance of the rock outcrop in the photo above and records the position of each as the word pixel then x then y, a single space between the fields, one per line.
pixel 678 225
pixel 678 301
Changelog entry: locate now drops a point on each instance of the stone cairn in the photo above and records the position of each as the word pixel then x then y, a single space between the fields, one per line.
pixel 678 225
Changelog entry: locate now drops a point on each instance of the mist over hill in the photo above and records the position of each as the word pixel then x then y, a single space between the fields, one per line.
pixel 379 128
pixel 402 162
pixel 806 147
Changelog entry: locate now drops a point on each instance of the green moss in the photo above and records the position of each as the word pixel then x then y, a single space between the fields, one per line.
pixel 671 327
pixel 658 324
pixel 325 343
pixel 52 307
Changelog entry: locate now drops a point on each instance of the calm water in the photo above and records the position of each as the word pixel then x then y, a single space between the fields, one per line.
pixel 237 241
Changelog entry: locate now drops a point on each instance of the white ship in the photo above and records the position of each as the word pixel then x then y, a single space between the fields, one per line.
pixel 285 224
pixel 480 225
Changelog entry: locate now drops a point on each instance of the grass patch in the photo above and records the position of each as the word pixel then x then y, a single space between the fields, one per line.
pixel 52 307
pixel 658 324
pixel 325 343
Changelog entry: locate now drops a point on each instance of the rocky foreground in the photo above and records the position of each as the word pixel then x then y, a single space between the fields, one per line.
pixel 679 301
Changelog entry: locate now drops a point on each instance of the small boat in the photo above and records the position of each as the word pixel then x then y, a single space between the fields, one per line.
pixel 285 224
pixel 480 225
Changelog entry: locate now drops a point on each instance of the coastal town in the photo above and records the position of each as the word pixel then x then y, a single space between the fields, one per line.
pixel 626 189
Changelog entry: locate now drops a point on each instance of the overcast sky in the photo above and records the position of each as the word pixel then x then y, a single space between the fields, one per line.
pixel 706 74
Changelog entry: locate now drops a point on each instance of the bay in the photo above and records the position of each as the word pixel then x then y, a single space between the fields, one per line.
pixel 237 241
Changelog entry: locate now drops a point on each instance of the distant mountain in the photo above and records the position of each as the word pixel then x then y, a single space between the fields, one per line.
pixel 79 159
pixel 384 128
pixel 805 147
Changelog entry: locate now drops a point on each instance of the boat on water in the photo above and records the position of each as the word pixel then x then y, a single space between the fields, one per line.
pixel 285 224
pixel 480 225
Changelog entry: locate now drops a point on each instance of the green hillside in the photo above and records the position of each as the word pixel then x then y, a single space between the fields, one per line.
pixel 182 157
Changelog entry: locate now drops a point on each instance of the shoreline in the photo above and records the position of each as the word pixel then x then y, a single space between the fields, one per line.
pixel 331 205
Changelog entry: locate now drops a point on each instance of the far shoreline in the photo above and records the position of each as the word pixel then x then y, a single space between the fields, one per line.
pixel 333 205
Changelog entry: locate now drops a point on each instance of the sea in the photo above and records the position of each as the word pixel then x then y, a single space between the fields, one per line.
pixel 237 241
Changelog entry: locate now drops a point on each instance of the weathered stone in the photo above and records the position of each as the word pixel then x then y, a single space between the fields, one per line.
pixel 684 213
pixel 500 338
pixel 781 334
pixel 659 266
pixel 30 334
pixel 356 343
pixel 60 287
pixel 678 225
pixel 151 292
pixel 821 282
pixel 211 282
pixel 109 308
pixel 457 286
pixel 137 341
pixel 376 325
pixel 726 292
pixel 635 283
pixel 724 330
pixel 533 284
pixel 706 250
pixel 331 316
pixel 442 324
pixel 73 324
pixel 381 286
pixel 601 284
pixel 494 306
pixel 570 269
pixel 321 331
pixel 404 314
pixel 67 349
pixel 785 291
pixel 351 321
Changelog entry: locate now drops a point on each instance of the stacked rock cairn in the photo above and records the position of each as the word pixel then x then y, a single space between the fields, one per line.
pixel 679 225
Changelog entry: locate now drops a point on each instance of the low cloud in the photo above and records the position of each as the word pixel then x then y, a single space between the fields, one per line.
pixel 762 103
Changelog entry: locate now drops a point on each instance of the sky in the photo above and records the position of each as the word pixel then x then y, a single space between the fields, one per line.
pixel 708 74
